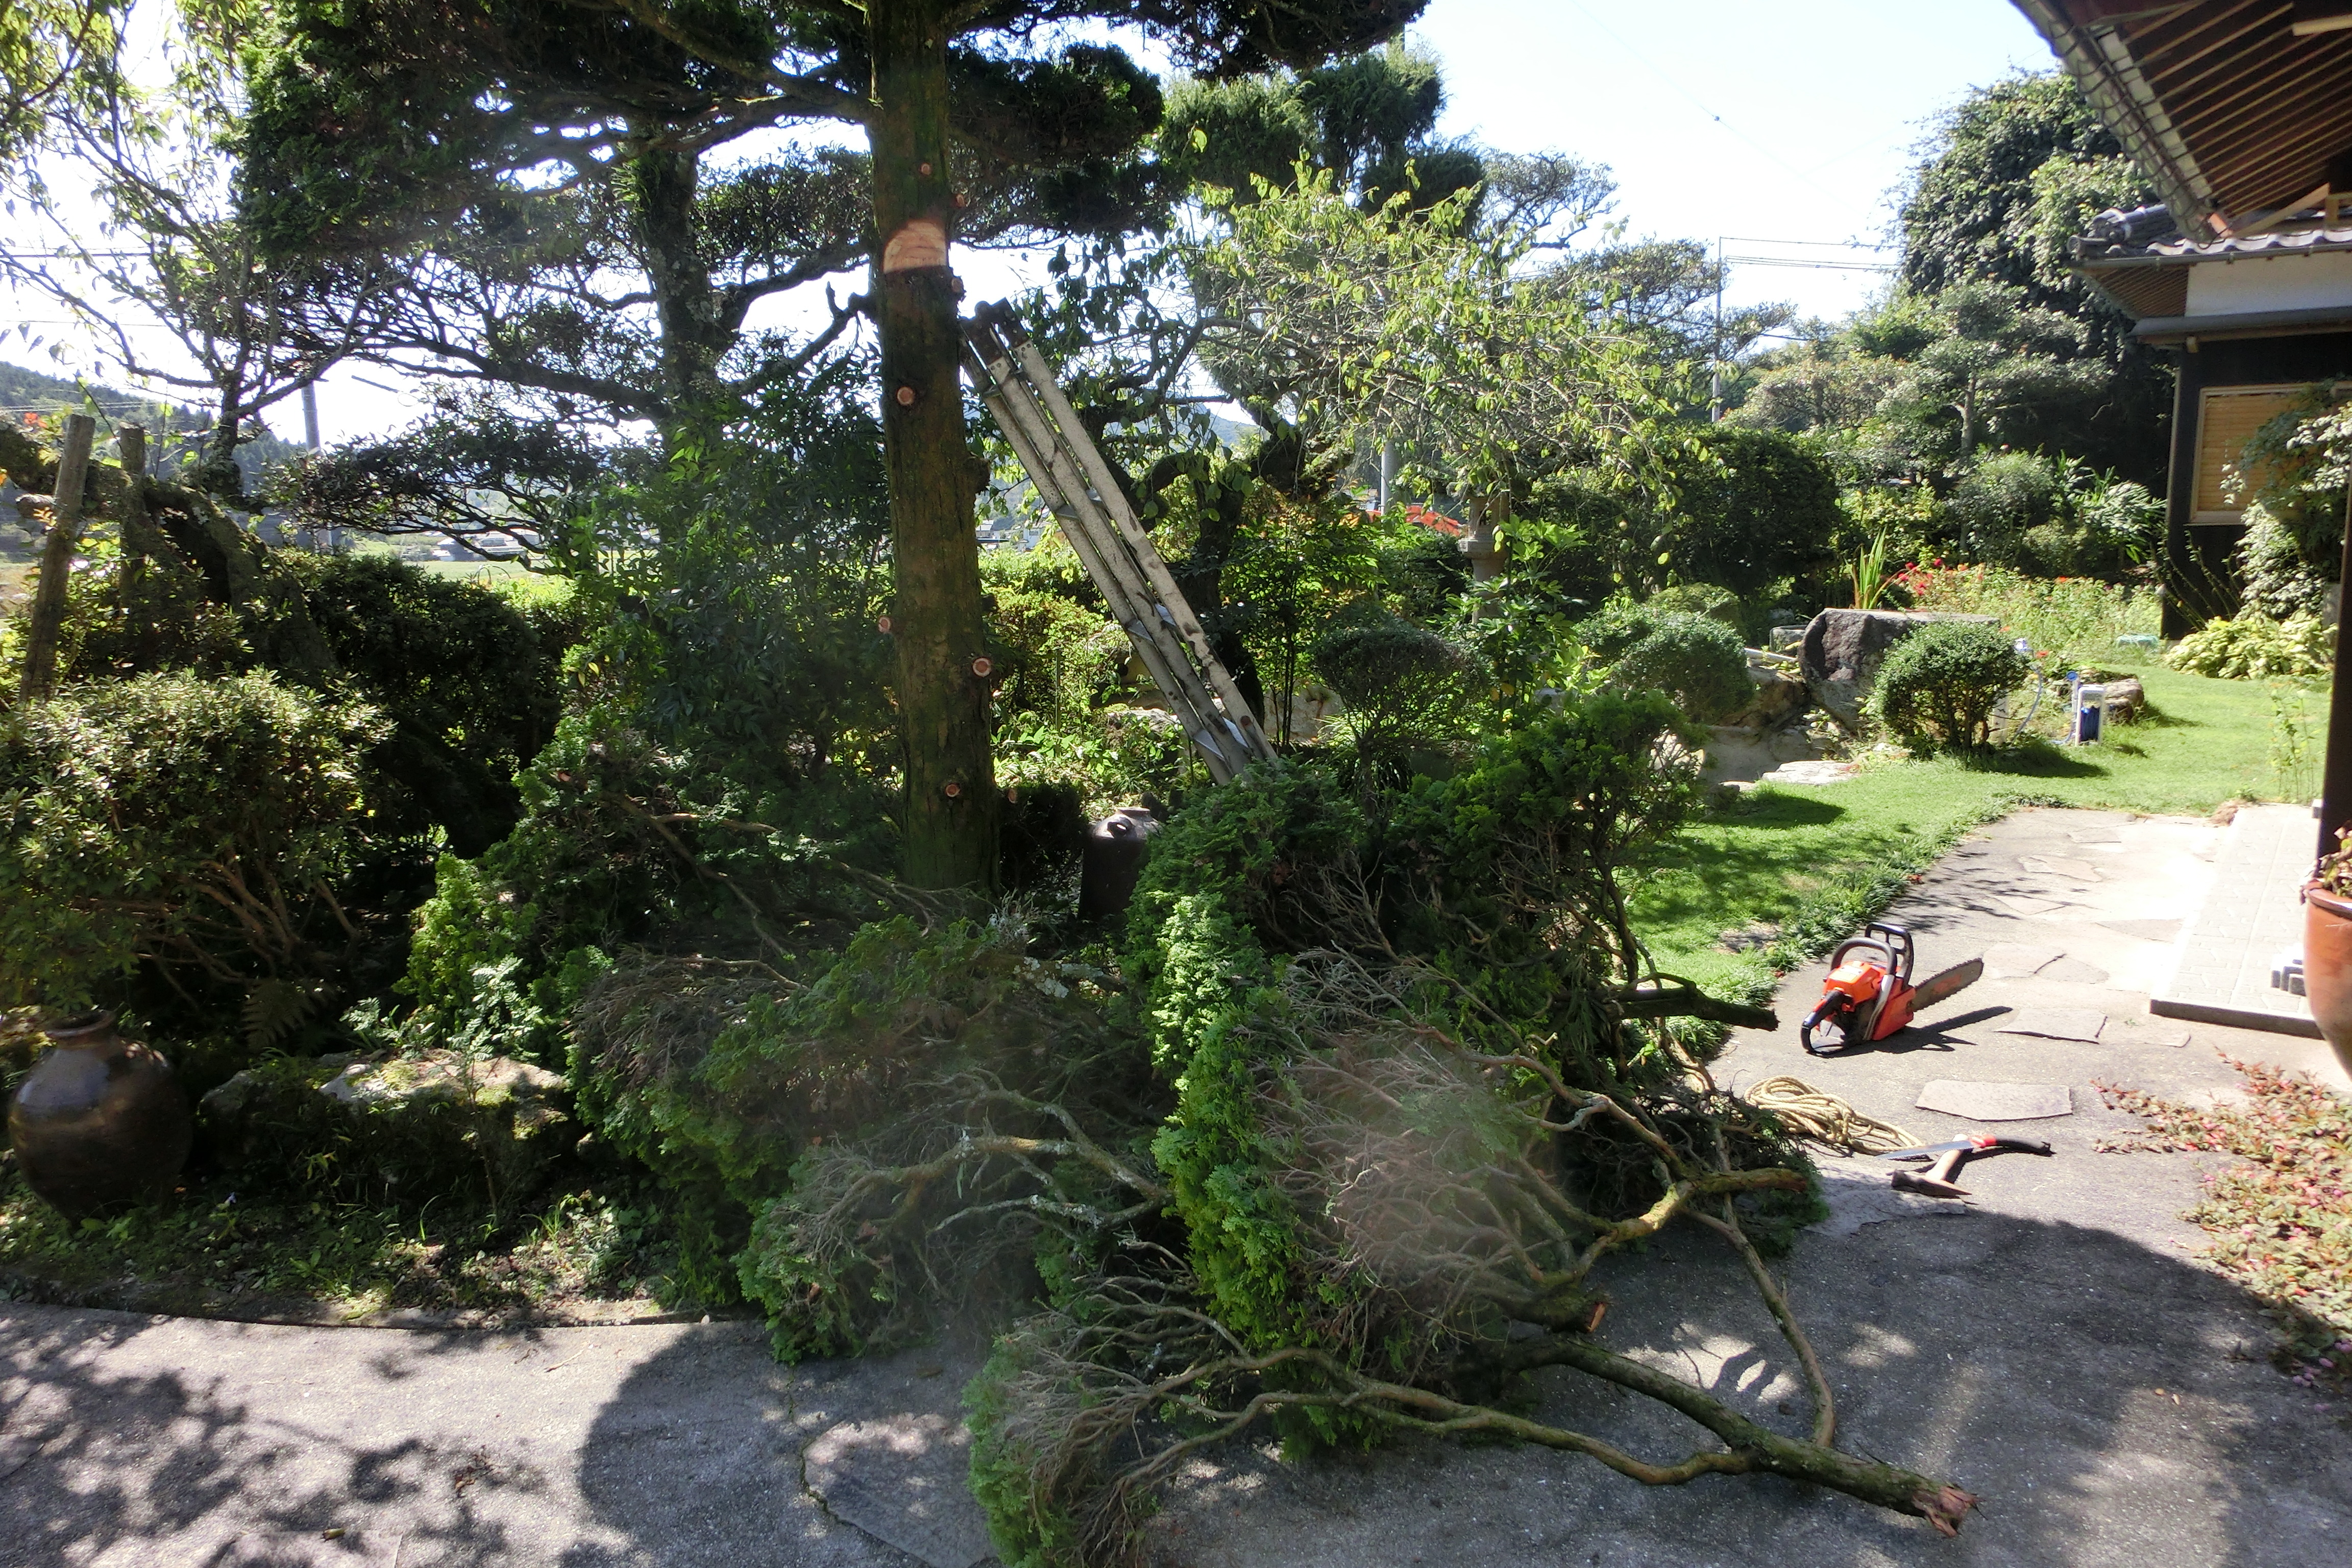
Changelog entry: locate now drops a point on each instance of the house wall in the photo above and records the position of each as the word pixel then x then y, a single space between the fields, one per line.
pixel 2291 280
pixel 2200 576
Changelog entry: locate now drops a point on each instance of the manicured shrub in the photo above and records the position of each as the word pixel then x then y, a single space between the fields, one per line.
pixel 2255 647
pixel 1940 685
pixel 172 845
pixel 1696 660
pixel 1612 634
pixel 1407 689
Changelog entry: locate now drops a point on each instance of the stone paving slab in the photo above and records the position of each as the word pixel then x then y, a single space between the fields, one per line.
pixel 1996 1102
pixel 2249 916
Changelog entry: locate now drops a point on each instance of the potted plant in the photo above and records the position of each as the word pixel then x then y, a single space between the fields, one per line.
pixel 2327 946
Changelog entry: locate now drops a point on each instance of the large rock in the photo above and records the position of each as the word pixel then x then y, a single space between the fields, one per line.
pixel 411 1128
pixel 1781 696
pixel 2126 699
pixel 1843 648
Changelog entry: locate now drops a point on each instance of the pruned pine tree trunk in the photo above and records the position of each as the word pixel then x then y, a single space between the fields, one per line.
pixel 950 804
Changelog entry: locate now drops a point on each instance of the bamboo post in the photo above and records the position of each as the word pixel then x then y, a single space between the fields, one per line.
pixel 130 443
pixel 57 560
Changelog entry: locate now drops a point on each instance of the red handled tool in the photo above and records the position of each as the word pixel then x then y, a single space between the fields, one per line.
pixel 1869 994
pixel 1937 1181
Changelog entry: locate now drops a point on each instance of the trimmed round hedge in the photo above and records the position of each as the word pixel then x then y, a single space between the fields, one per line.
pixel 1694 659
pixel 1939 686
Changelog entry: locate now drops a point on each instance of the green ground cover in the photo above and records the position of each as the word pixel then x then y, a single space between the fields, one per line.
pixel 1797 868
pixel 592 1254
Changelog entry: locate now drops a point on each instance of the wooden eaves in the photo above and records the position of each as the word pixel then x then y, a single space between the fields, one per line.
pixel 2237 107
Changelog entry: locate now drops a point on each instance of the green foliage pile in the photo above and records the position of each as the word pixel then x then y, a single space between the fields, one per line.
pixel 1940 685
pixel 174 845
pixel 1363 1003
pixel 774 1101
pixel 1246 882
pixel 2255 647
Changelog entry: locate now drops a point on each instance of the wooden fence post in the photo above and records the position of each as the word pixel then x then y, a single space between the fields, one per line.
pixel 57 560
pixel 130 441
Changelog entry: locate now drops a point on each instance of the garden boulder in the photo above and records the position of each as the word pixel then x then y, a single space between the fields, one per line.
pixel 408 1129
pixel 1781 696
pixel 1843 648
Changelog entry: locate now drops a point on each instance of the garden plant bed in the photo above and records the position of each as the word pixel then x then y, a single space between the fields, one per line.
pixel 581 1256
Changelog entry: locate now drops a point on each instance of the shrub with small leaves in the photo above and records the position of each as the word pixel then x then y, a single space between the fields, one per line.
pixel 172 844
pixel 1940 685
pixel 1695 659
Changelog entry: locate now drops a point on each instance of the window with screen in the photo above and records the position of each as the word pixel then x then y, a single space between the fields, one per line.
pixel 2227 420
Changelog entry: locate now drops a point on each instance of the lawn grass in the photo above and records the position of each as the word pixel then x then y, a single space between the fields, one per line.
pixel 1811 865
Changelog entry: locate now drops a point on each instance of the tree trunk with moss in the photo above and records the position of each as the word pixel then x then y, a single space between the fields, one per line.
pixel 950 816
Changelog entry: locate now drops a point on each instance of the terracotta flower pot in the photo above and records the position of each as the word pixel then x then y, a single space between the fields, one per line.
pixel 100 1123
pixel 2328 966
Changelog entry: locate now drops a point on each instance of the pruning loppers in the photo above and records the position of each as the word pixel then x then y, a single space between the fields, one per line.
pixel 1869 994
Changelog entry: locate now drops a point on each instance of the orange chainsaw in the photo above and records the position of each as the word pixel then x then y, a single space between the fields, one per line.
pixel 1869 994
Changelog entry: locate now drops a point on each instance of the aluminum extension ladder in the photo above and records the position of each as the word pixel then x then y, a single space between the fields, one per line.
pixel 1077 486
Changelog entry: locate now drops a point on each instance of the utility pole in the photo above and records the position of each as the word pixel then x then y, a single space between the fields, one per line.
pixel 1388 471
pixel 1715 373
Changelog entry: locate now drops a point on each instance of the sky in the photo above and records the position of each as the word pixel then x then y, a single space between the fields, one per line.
pixel 1784 128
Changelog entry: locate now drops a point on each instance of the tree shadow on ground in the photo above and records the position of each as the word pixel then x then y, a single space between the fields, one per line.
pixel 2035 759
pixel 163 1466
pixel 2035 1363
pixel 2020 1360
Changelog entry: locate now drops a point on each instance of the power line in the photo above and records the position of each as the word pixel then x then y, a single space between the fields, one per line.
pixel 1818 244
pixel 1816 266
pixel 1730 129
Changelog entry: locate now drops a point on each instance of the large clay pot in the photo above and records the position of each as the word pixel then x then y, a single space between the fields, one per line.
pixel 2328 966
pixel 1111 860
pixel 100 1123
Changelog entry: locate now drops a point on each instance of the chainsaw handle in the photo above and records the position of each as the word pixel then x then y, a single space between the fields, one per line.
pixel 1805 1030
pixel 1884 953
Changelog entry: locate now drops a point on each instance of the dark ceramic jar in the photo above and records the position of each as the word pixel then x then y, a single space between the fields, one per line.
pixel 100 1123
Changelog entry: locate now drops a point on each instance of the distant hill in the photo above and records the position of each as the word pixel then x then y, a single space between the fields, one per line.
pixel 23 390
